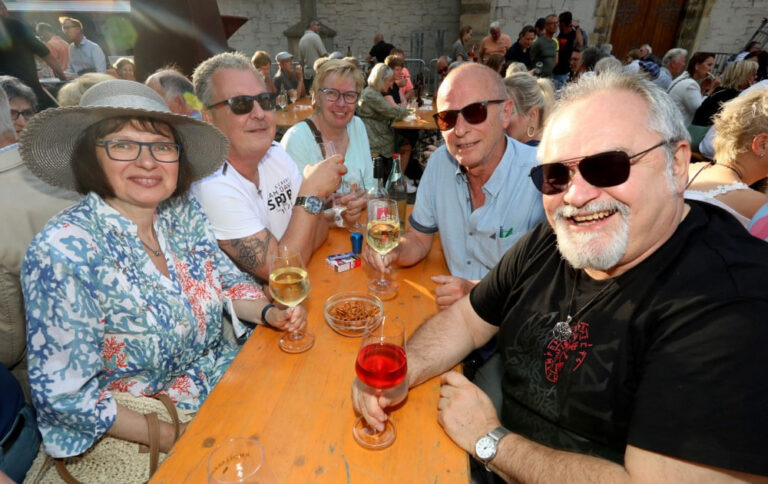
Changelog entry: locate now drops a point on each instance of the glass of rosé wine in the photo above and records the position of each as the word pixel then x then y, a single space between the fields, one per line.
pixel 381 366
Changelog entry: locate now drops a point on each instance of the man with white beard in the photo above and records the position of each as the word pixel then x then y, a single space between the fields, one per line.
pixel 631 326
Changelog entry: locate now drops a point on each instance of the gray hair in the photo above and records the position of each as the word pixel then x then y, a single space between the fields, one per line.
pixel 663 115
pixel 648 48
pixel 172 82
pixel 495 25
pixel 673 54
pixel 13 87
pixel 7 130
pixel 201 78
pixel 606 64
pixel 529 92
pixel 380 73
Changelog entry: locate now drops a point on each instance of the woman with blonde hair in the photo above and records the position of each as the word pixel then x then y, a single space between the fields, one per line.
pixel 741 146
pixel 533 98
pixel 737 77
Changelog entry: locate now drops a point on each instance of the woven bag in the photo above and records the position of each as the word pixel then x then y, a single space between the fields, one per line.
pixel 113 460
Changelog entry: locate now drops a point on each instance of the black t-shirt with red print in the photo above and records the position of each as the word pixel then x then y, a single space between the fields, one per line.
pixel 669 356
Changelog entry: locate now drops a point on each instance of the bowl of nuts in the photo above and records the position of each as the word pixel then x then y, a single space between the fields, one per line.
pixel 347 313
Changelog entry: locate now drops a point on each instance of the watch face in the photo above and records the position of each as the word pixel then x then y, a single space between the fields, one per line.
pixel 313 204
pixel 485 448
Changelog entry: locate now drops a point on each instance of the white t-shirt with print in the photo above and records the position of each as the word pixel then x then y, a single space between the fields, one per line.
pixel 237 208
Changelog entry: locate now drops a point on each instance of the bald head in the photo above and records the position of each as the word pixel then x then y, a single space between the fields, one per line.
pixel 480 75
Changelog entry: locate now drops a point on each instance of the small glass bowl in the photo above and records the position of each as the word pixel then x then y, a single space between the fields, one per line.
pixel 352 301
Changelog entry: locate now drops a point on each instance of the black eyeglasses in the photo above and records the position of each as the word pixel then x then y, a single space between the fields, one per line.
pixel 606 169
pixel 27 113
pixel 244 104
pixel 129 150
pixel 474 113
pixel 332 95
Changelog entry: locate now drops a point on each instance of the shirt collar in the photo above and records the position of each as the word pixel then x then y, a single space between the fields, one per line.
pixel 498 178
pixel 9 157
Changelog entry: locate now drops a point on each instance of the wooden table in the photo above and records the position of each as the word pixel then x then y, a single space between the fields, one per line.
pixel 294 113
pixel 299 406
pixel 424 119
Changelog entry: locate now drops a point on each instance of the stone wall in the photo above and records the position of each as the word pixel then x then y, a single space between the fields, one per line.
pixel 355 23
pixel 728 24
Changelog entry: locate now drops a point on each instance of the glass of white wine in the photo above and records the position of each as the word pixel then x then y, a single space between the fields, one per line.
pixel 292 95
pixel 289 285
pixel 383 235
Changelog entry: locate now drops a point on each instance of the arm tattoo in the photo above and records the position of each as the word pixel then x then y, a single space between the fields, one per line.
pixel 249 253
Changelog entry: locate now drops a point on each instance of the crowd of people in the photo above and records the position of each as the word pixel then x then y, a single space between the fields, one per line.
pixel 604 271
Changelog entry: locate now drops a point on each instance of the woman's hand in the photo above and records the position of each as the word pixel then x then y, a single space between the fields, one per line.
pixel 287 319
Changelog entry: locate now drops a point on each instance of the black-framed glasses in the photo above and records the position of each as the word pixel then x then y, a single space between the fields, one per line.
pixel 129 150
pixel 474 113
pixel 332 95
pixel 603 170
pixel 244 104
pixel 27 113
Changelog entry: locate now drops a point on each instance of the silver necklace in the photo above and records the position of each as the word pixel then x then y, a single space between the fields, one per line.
pixel 562 330
pixel 156 252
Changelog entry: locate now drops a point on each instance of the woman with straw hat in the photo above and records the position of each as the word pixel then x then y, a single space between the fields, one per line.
pixel 124 291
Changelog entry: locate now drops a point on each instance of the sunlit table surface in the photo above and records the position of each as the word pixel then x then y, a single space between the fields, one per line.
pixel 294 113
pixel 420 119
pixel 299 406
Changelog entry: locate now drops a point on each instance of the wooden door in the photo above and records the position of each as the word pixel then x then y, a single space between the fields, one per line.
pixel 638 22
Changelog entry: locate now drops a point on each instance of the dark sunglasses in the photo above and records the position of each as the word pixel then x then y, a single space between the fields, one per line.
pixel 474 113
pixel 244 104
pixel 606 169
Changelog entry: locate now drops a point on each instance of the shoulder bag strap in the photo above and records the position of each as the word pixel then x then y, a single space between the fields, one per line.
pixel 64 473
pixel 316 133
pixel 153 424
pixel 168 404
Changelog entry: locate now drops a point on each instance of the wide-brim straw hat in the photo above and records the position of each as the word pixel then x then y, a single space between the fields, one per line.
pixel 48 142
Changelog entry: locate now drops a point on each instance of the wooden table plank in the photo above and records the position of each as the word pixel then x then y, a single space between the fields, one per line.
pixel 424 119
pixel 294 113
pixel 300 408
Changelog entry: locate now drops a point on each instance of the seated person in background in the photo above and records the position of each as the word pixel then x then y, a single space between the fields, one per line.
pixel 287 79
pixel 335 92
pixel 607 63
pixel 741 146
pixel 71 92
pixel 22 100
pixel 751 47
pixel 263 64
pixel 626 301
pixel 406 89
pixel 521 50
pixel 84 54
pixel 480 164
pixel 132 272
pixel 459 48
pixel 27 205
pixel 257 200
pixel 672 65
pixel 175 89
pixel 533 100
pixel 494 43
pixel 378 114
pixel 689 88
pixel 125 69
pixel 396 63
pixel 738 76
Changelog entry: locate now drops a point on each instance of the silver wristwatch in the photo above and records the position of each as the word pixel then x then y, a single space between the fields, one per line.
pixel 486 446
pixel 310 203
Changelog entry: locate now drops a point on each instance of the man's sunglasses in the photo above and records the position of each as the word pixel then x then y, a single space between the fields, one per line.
pixel 244 104
pixel 606 169
pixel 474 113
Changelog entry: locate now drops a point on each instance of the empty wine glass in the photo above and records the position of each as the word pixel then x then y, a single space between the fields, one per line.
pixel 383 235
pixel 282 100
pixel 289 285
pixel 292 95
pixel 381 366
pixel 354 183
pixel 239 460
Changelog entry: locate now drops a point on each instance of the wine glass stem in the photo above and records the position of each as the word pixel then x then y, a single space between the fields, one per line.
pixel 383 279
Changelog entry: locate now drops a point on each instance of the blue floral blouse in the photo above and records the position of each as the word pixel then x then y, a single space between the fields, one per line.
pixel 101 317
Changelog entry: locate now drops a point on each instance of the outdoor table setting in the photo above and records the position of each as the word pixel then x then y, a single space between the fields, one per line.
pixel 298 406
pixel 420 119
pixel 294 112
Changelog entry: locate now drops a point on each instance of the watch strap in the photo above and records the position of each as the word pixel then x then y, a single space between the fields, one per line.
pixel 496 435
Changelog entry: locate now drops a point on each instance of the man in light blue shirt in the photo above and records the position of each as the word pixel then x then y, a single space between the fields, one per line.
pixel 84 55
pixel 475 190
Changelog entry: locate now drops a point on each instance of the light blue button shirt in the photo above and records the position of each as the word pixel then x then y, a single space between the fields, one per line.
pixel 88 55
pixel 474 241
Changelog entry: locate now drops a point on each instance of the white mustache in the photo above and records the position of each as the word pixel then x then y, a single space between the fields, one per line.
pixel 568 211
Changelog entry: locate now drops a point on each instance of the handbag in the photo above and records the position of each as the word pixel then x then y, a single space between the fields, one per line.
pixel 111 459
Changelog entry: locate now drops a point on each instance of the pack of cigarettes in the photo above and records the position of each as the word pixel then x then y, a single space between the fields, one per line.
pixel 343 262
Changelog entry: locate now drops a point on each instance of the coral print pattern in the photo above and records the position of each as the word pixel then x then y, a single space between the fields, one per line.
pixel 102 318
